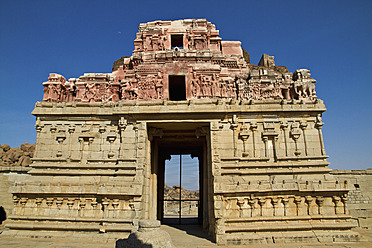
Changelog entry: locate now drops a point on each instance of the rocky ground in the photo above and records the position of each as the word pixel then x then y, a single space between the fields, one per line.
pixel 174 193
pixel 17 156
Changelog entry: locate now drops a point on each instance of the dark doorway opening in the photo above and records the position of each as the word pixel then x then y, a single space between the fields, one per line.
pixel 177 88
pixel 177 41
pixel 2 215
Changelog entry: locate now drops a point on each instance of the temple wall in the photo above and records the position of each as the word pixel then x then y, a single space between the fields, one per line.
pixel 92 170
pixel 6 176
pixel 360 194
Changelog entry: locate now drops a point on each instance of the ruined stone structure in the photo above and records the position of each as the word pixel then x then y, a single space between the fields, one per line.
pixel 102 141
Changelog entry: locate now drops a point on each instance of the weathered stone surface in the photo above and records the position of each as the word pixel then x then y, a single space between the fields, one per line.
pixel 102 141
pixel 149 235
pixel 16 156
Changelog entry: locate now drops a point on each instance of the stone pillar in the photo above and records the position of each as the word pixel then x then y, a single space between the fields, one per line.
pixel 244 135
pixel 318 125
pixel 345 199
pixel 295 133
pixel 320 202
pixel 275 202
pixel 308 200
pixel 265 140
pixel 262 202
pixel 339 208
pixel 252 203
pixel 303 126
pixel 254 128
pixel 234 127
pixel 39 127
pixel 285 204
pixel 298 202
pixel 70 130
pixel 284 126
pixel 122 125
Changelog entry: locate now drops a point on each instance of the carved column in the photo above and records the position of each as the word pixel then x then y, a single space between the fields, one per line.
pixel 285 204
pixel 49 202
pixel 234 127
pixel 252 203
pixel 320 202
pixel 298 201
pixel 101 130
pixel 284 126
pixel 94 204
pixel 241 206
pixel 303 126
pixel 308 200
pixel 70 204
pixel 70 130
pixel 262 202
pixel 60 139
pixel 318 125
pixel 275 202
pixel 345 199
pixel 105 203
pixel 254 128
pixel 38 126
pixel 295 134
pixel 244 135
pixel 115 205
pixel 82 204
pixel 265 140
pixel 38 202
pixel 275 146
pixel 111 137
pixel 339 209
pixel 122 125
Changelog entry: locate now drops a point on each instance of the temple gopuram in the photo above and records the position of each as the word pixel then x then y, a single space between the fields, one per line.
pixel 103 140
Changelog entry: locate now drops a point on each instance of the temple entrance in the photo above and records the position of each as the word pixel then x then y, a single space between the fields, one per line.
pixel 179 174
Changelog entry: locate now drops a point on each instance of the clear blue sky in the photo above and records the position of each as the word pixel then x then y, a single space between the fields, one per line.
pixel 190 172
pixel 331 38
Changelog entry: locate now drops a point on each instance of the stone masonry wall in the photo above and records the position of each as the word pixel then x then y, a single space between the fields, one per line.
pixel 360 195
pixel 5 184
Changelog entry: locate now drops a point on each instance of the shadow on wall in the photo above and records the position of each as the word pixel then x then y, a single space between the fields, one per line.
pixel 131 242
pixel 2 215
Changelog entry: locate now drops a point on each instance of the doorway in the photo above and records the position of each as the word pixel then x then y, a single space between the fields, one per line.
pixel 180 181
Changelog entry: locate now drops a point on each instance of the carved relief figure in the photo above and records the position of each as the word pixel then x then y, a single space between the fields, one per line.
pixel 195 85
pixel 304 86
pixel 159 86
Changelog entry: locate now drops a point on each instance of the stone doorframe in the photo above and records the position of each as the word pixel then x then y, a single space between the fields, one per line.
pixel 169 139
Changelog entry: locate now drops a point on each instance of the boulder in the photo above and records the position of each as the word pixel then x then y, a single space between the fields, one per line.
pixel 148 235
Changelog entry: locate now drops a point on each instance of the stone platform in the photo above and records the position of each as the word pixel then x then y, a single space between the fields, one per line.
pixel 182 236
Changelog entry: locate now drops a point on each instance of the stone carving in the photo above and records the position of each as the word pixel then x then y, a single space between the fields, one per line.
pixel 140 78
pixel 295 134
pixel 54 90
pixel 304 86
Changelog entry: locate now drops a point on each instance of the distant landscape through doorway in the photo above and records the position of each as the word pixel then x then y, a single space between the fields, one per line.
pixel 181 190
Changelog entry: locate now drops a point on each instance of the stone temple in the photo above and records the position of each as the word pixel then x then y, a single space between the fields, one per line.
pixel 103 139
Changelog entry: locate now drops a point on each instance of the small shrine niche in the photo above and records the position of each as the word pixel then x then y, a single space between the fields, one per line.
pixel 177 41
